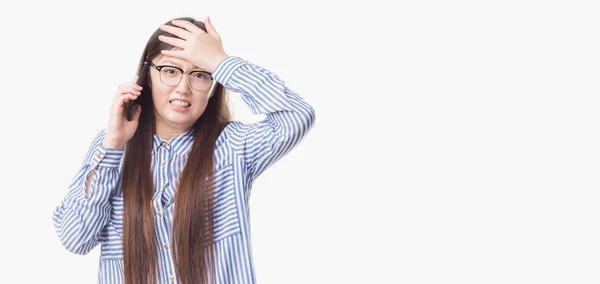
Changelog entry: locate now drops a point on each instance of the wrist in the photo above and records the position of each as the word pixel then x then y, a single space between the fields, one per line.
pixel 112 143
pixel 218 59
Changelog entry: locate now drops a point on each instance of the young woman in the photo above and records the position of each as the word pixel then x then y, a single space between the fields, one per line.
pixel 166 194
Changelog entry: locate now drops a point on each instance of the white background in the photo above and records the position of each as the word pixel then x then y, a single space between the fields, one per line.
pixel 455 141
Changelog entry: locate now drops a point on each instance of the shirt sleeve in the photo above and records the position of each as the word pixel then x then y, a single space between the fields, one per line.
pixel 288 116
pixel 79 218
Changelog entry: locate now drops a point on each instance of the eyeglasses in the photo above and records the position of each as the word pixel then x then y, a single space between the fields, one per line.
pixel 172 75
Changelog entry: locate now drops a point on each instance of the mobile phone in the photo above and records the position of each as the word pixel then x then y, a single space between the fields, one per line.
pixel 140 80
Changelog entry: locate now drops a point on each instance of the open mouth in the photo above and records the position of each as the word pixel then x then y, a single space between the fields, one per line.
pixel 179 103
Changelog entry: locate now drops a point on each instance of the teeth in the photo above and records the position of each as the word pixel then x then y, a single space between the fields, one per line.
pixel 180 103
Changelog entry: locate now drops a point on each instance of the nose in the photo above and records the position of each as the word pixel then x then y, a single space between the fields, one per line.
pixel 183 86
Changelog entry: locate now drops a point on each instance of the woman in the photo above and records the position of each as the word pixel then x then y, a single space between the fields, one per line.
pixel 180 148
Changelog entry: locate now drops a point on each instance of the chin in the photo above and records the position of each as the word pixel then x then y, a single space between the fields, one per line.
pixel 178 117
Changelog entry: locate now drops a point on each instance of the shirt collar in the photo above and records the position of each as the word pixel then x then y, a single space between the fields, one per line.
pixel 181 143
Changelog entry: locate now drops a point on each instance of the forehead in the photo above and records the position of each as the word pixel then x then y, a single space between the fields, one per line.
pixel 168 60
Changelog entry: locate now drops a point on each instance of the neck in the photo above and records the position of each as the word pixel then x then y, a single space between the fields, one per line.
pixel 168 132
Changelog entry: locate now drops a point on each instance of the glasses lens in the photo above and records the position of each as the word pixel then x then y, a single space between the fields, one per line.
pixel 200 81
pixel 170 76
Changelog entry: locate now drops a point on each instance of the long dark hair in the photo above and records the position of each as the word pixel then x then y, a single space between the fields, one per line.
pixel 192 242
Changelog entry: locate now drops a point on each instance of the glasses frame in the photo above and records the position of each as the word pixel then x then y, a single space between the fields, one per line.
pixel 160 67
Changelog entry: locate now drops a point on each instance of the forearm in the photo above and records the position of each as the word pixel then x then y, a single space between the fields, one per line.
pixel 288 116
pixel 85 210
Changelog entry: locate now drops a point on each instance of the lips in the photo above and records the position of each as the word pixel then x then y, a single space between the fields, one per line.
pixel 180 103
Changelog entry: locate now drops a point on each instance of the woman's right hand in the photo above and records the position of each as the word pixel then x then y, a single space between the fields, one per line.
pixel 119 129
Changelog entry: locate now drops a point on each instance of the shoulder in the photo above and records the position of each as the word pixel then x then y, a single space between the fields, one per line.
pixel 236 128
pixel 234 133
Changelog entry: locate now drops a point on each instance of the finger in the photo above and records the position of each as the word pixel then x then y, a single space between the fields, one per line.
pixel 135 78
pixel 128 97
pixel 172 41
pixel 123 100
pixel 133 85
pixel 210 28
pixel 176 31
pixel 188 26
pixel 172 53
pixel 129 90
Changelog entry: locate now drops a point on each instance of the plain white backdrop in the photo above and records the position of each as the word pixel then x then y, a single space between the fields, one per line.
pixel 455 141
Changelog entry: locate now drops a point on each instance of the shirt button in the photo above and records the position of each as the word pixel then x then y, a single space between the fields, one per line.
pixel 171 277
pixel 164 164
pixel 165 144
pixel 167 247
pixel 98 155
pixel 159 214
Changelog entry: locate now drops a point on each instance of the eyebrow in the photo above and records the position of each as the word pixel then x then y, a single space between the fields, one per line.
pixel 167 61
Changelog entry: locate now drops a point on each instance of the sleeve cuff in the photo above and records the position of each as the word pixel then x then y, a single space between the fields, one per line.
pixel 226 67
pixel 107 157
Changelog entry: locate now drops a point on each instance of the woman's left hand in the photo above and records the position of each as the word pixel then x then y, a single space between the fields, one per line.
pixel 196 46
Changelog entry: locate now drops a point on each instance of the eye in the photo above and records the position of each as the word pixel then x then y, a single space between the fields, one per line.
pixel 170 71
pixel 200 76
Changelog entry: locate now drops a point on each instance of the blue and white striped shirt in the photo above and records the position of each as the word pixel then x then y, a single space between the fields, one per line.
pixel 242 152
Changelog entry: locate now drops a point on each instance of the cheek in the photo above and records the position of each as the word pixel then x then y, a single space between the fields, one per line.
pixel 202 101
pixel 159 97
pixel 160 93
pixel 159 90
